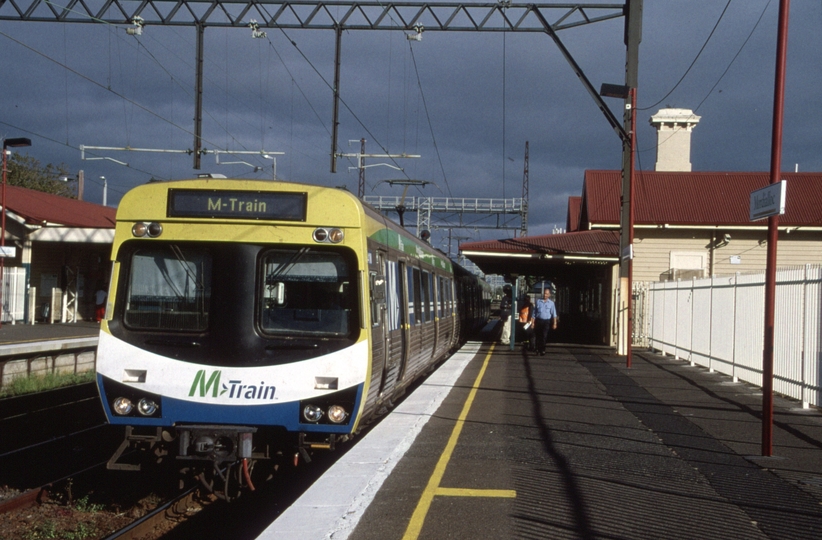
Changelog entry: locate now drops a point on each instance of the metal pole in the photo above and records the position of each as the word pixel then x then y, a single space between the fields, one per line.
pixel 335 123
pixel 361 190
pixel 514 316
pixel 631 209
pixel 3 237
pixel 198 97
pixel 633 37
pixel 773 231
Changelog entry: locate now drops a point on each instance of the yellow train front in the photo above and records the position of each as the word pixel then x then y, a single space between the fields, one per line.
pixel 249 320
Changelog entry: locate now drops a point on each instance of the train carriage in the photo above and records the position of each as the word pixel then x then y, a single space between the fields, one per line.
pixel 249 320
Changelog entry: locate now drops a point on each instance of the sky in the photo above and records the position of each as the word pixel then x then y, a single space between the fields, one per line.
pixel 465 102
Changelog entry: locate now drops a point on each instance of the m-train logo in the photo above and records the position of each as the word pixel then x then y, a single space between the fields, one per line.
pixel 203 384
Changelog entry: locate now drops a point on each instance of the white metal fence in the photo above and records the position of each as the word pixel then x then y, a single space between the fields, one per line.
pixel 719 323
pixel 14 294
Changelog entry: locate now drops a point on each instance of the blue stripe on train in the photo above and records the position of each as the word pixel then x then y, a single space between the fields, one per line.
pixel 175 411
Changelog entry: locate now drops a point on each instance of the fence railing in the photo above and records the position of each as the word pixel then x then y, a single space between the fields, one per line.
pixel 719 322
pixel 14 294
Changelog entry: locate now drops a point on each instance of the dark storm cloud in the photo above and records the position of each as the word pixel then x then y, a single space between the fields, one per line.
pixel 465 102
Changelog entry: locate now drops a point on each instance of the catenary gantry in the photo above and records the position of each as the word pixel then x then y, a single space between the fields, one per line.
pixel 345 15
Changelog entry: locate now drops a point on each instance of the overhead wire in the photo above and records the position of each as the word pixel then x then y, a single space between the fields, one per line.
pixel 708 39
pixel 430 124
pixel 345 104
pixel 727 68
pixel 759 20
pixel 67 145
pixel 106 87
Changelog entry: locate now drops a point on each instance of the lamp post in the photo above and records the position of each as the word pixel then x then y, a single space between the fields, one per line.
pixel 7 143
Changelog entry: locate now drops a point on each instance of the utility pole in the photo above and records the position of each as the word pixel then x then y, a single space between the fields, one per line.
pixel 80 184
pixel 633 36
pixel 523 231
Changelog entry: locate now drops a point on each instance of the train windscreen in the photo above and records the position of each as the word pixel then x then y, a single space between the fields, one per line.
pixel 169 288
pixel 307 293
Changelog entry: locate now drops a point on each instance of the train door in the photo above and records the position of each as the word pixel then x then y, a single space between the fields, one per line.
pixel 396 325
pixel 379 330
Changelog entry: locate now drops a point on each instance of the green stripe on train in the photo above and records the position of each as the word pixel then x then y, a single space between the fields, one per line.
pixel 394 240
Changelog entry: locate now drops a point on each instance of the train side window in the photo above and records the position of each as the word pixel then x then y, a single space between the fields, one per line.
pixel 415 296
pixel 425 285
pixel 432 296
pixel 377 293
pixel 169 288
pixel 450 296
pixel 394 294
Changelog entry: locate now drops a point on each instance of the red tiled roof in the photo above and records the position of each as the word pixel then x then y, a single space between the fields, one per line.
pixel 574 208
pixel 698 198
pixel 602 243
pixel 37 208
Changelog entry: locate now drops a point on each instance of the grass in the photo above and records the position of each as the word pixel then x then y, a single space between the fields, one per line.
pixel 30 385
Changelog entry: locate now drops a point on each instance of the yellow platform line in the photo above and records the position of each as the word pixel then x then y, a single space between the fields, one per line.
pixel 460 492
pixel 433 488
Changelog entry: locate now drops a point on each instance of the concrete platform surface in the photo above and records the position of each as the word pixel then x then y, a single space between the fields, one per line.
pixel 507 444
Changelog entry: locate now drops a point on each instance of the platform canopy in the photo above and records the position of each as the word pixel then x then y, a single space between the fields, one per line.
pixel 550 254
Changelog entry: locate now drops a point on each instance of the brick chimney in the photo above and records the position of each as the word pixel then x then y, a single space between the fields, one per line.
pixel 673 139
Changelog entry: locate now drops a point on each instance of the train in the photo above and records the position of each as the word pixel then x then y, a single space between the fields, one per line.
pixel 250 323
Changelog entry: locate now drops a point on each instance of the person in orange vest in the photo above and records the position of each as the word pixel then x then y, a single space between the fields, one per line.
pixel 525 323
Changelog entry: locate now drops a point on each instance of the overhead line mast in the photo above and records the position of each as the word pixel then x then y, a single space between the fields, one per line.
pixel 523 230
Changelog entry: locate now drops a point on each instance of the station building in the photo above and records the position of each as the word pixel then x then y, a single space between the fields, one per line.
pixel 687 225
pixel 61 256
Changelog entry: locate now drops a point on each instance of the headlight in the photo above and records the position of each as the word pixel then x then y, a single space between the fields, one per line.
pixel 155 229
pixel 334 236
pixel 320 235
pixel 152 230
pixel 139 230
pixel 147 407
pixel 336 414
pixel 312 413
pixel 123 406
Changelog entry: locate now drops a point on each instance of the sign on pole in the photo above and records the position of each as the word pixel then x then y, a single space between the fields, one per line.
pixel 8 251
pixel 768 201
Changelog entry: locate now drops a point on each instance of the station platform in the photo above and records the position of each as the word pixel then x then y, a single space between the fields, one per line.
pixel 507 444
pixel 19 340
pixel 28 333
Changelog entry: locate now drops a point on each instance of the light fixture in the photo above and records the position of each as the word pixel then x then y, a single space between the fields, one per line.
pixel 147 407
pixel 137 29
pixel 332 235
pixel 122 406
pixel 312 413
pixel 337 414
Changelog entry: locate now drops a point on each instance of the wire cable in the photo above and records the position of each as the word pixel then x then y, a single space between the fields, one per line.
pixel 692 63
pixel 759 20
pixel 428 117
pixel 738 52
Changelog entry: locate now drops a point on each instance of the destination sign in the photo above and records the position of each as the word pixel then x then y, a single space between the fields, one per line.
pixel 235 204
